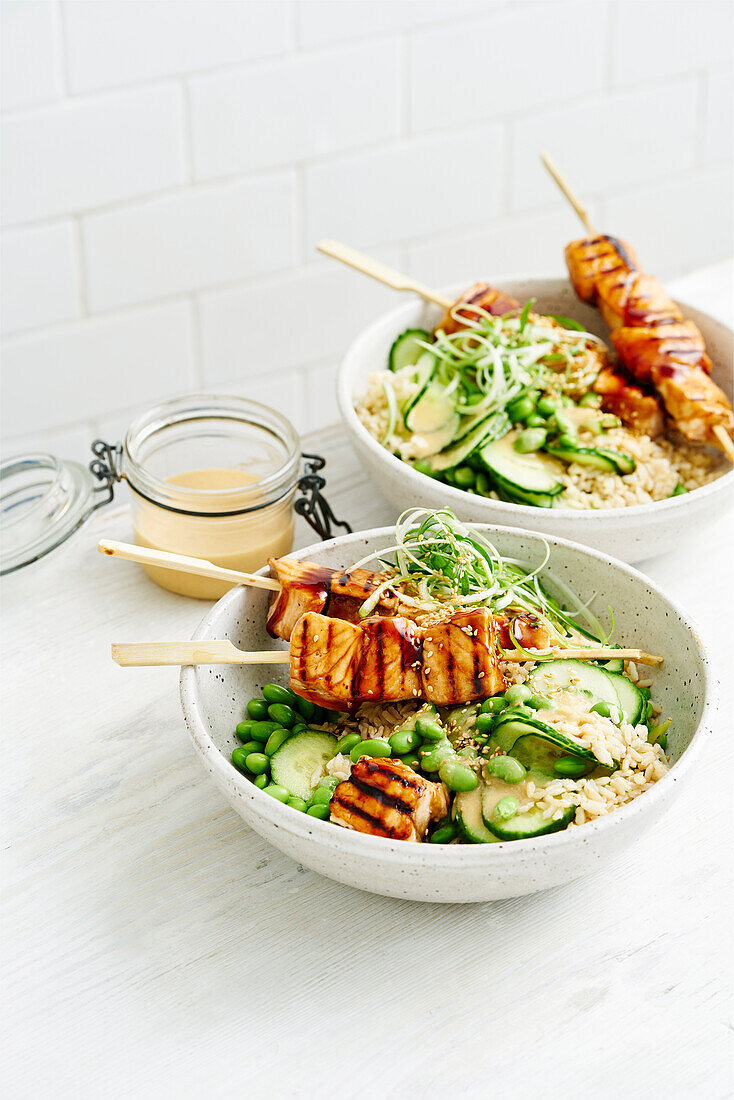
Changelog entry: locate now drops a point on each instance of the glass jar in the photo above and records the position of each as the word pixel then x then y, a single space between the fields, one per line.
pixel 211 477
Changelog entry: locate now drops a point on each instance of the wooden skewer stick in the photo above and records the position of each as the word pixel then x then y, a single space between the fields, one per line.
pixel 223 652
pixel 727 445
pixel 207 652
pixel 571 195
pixel 381 272
pixel 199 567
pixel 602 653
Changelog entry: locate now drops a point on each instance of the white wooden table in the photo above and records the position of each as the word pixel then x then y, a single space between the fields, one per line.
pixel 156 947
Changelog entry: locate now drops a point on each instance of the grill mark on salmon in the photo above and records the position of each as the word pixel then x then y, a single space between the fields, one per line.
pixel 360 811
pixel 382 796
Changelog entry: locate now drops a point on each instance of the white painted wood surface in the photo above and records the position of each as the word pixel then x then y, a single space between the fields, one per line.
pixel 156 947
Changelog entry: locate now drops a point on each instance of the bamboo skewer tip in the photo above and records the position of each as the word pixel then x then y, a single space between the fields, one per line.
pixel 727 445
pixel 570 194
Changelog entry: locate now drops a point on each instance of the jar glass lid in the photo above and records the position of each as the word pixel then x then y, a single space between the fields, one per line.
pixel 42 502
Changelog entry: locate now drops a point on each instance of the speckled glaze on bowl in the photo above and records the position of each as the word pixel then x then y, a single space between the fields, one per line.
pixel 213 700
pixel 632 534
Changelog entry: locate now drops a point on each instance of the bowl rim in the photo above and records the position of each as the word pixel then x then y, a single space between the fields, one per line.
pixel 350 843
pixel 344 379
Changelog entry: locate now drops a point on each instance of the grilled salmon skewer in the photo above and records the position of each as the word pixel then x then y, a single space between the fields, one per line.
pixel 652 339
pixel 649 334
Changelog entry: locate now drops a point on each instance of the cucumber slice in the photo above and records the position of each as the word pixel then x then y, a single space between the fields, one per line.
pixel 500 424
pixel 631 698
pixel 592 680
pixel 524 473
pixel 425 369
pixel 469 819
pixel 459 452
pixel 522 826
pixel 508 491
pixel 406 350
pixel 432 411
pixel 510 730
pixel 599 457
pixel 441 438
pixel 302 756
pixel 539 753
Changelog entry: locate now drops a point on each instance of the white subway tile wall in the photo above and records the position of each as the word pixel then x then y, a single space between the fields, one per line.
pixel 170 164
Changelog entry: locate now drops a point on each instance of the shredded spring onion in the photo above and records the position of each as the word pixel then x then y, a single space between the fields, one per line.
pixel 438 561
pixel 495 360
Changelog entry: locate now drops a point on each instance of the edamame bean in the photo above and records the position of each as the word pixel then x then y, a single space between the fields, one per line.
pixel 276 791
pixel 483 484
pixel 494 705
pixel 239 757
pixel 649 711
pixel 329 715
pixel 457 776
pixel 464 477
pixel 608 710
pixel 568 441
pixel 429 730
pixel 347 742
pixel 519 409
pixel 321 797
pixel 518 693
pixel 443 835
pixel 277 738
pixel 423 467
pixel 609 421
pixel 257 763
pixel 404 741
pixel 274 693
pixel 485 723
pixel 535 421
pixel 328 783
pixel 261 730
pixel 282 714
pixel 411 761
pixel 506 808
pixel 532 439
pixel 570 767
pixel 304 707
pixel 547 405
pixel 261 781
pixel 257 709
pixel 297 803
pixel 371 747
pixel 539 702
pixel 590 401
pixel 506 768
pixel 245 749
pixel 431 759
pixel 323 813
pixel 679 490
pixel 243 729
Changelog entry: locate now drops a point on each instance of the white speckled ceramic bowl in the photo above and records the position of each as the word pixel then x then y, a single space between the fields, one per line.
pixel 213 700
pixel 631 534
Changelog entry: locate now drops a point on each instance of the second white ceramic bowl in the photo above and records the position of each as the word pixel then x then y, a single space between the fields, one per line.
pixel 631 534
pixel 214 699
